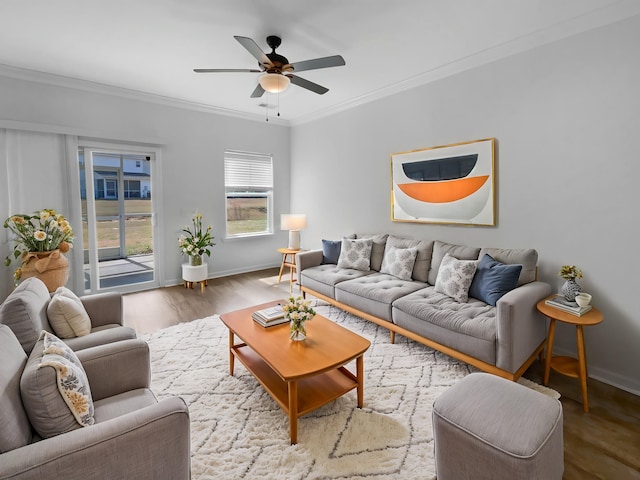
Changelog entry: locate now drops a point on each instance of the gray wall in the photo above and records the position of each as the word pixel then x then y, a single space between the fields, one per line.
pixel 565 118
pixel 192 145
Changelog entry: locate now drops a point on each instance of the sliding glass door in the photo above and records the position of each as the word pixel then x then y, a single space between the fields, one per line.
pixel 118 219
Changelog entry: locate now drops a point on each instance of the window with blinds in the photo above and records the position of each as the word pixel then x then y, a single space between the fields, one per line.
pixel 248 181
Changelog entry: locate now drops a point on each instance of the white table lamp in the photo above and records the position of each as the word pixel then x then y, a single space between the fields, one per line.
pixel 294 223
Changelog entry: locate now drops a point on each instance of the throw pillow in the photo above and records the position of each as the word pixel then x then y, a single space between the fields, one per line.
pixel 399 262
pixel 455 277
pixel 423 258
pixel 356 254
pixel 493 279
pixel 377 249
pixel 331 251
pixel 67 315
pixel 440 249
pixel 528 258
pixel 73 383
pixel 55 389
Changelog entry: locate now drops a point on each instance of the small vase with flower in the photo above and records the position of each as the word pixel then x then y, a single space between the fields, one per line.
pixel 570 288
pixel 298 311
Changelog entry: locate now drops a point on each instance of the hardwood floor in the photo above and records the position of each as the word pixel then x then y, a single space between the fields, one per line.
pixel 601 444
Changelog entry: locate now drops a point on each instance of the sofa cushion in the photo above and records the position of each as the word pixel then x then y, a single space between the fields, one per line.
pixel 374 294
pixel 15 431
pixel 67 315
pixel 493 279
pixel 423 259
pixel 51 369
pixel 399 262
pixel 331 251
pixel 474 319
pixel 25 311
pixel 440 249
pixel 377 249
pixel 356 254
pixel 528 258
pixel 324 278
pixel 455 277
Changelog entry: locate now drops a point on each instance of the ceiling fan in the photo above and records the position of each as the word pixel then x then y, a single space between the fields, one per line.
pixel 276 69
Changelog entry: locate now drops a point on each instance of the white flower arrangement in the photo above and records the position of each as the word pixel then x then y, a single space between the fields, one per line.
pixel 298 310
pixel 196 241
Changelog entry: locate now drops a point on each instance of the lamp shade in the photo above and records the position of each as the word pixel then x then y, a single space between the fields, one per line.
pixel 292 221
pixel 274 82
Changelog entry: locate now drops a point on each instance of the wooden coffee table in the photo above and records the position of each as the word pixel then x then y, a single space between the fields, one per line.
pixel 300 376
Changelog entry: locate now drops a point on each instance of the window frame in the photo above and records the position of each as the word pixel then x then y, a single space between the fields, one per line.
pixel 264 190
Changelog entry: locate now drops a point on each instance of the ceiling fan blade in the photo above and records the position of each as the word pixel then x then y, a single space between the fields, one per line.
pixel 218 70
pixel 258 92
pixel 253 48
pixel 301 82
pixel 324 62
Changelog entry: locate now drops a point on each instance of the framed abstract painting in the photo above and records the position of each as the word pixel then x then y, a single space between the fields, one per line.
pixel 445 184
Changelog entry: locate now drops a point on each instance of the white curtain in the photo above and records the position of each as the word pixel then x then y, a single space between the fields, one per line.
pixel 40 170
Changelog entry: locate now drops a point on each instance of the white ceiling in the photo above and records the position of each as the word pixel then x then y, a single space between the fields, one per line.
pixel 151 46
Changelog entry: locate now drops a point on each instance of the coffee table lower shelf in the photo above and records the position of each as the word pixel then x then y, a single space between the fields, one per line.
pixel 301 396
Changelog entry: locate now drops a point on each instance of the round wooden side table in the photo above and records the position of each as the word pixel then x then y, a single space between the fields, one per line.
pixel 288 260
pixel 575 368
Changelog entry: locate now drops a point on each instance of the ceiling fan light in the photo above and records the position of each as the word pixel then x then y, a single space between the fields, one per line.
pixel 274 82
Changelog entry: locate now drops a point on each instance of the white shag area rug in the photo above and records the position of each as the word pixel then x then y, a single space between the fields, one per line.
pixel 239 432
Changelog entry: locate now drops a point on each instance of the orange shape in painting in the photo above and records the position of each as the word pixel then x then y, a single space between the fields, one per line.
pixel 443 191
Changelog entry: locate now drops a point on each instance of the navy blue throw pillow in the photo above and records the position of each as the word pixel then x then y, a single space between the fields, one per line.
pixel 493 279
pixel 331 251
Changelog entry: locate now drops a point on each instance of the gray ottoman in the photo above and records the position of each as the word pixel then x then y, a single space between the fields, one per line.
pixel 486 427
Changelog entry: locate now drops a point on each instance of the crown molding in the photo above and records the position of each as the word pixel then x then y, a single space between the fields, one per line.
pixel 35 76
pixel 612 13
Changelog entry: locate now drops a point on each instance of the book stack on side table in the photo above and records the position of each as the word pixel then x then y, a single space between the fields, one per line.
pixel 269 316
pixel 565 305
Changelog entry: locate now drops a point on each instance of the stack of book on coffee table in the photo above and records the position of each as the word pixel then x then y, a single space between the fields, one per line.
pixel 565 305
pixel 269 316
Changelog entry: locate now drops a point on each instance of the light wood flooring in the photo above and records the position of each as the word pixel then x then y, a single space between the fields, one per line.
pixel 601 444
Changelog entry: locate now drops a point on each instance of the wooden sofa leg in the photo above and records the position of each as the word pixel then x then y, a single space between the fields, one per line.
pixel 393 336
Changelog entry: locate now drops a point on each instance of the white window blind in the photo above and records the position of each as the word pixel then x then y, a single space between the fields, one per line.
pixel 247 170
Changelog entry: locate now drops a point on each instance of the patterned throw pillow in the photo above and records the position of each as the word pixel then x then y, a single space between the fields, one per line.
pixel 455 277
pixel 356 254
pixel 72 379
pixel 399 262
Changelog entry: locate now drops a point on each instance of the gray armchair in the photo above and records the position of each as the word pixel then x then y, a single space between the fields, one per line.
pixel 134 435
pixel 25 312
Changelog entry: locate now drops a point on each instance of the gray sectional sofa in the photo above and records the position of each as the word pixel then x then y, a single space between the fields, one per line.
pixel 501 335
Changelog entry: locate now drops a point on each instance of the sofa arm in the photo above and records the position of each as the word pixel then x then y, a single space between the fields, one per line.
pixel 520 327
pixel 150 443
pixel 117 367
pixel 308 259
pixel 103 308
